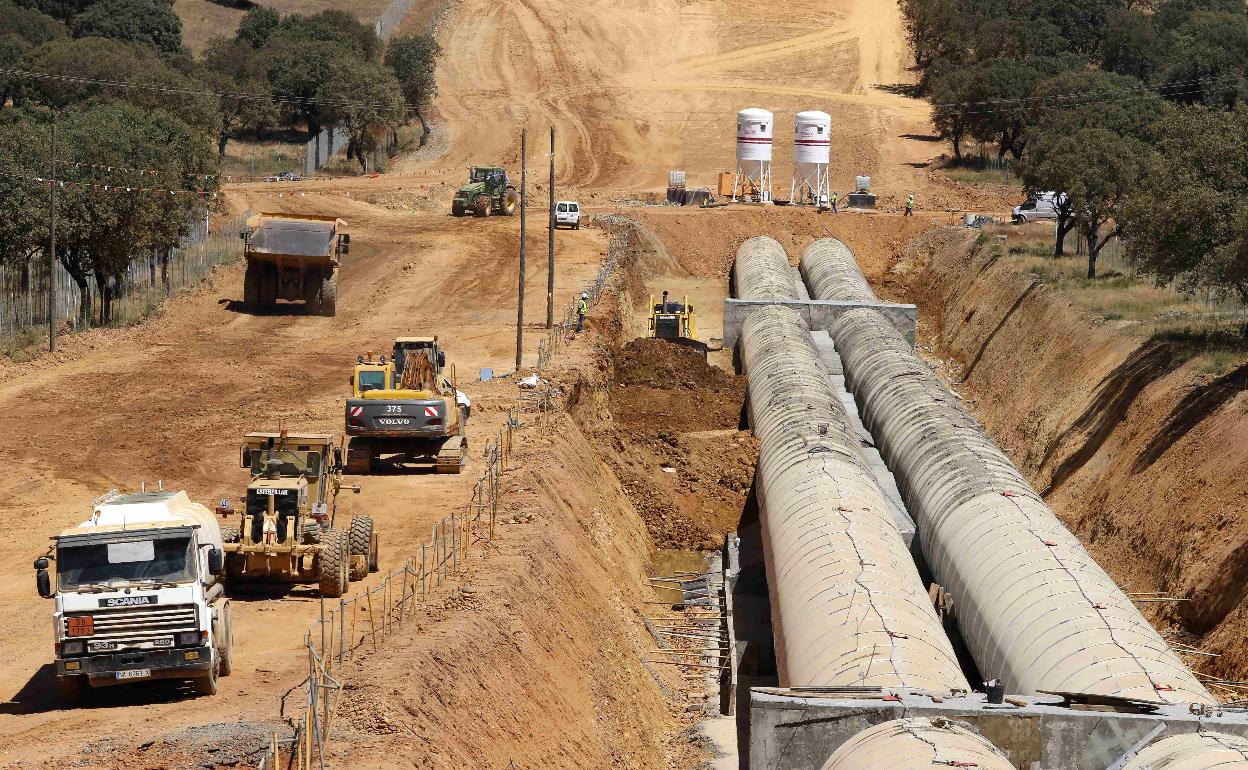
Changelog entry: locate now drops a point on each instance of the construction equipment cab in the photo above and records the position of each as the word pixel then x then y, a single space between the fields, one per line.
pixel 673 321
pixel 138 595
pixel 406 406
pixel 284 532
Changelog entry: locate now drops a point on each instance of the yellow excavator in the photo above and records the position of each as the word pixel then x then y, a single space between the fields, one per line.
pixel 674 321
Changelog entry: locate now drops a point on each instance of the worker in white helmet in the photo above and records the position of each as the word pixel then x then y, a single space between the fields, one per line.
pixel 582 307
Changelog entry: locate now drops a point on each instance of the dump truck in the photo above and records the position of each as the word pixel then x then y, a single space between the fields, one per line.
pixel 285 531
pixel 489 191
pixel 293 257
pixel 138 595
pixel 406 405
pixel 674 321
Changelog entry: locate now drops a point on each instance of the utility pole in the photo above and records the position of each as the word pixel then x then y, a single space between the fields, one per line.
pixel 52 245
pixel 523 199
pixel 550 245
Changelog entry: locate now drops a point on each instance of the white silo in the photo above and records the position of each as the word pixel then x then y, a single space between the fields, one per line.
pixel 812 152
pixel 754 136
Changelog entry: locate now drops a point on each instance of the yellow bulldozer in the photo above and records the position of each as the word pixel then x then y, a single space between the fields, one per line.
pixel 674 321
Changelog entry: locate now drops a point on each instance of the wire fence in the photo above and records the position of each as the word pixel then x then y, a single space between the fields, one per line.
pixel 563 332
pixel 149 279
pixel 358 625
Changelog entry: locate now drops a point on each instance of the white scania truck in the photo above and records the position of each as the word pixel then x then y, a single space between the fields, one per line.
pixel 138 594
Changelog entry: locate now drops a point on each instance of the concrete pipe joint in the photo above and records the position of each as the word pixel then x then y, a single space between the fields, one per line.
pixel 762 271
pixel 1033 606
pixel 1193 751
pixel 916 744
pixel 849 608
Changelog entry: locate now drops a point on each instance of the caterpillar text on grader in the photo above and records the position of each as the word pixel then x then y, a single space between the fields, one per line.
pixel 406 406
pixel 285 530
pixel 489 191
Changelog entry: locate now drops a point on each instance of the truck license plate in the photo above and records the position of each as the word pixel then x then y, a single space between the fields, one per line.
pixel 135 673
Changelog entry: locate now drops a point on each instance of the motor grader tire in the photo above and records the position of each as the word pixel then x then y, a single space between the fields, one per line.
pixel 457 209
pixel 482 206
pixel 251 287
pixel 361 537
pixel 333 559
pixel 507 207
pixel 328 296
pixel 374 553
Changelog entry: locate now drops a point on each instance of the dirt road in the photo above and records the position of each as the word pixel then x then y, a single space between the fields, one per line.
pixel 169 400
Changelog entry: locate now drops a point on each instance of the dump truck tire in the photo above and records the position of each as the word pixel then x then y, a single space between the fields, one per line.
pixel 329 295
pixel 225 651
pixel 266 291
pixel 312 291
pixel 70 689
pixel 482 205
pixel 508 205
pixel 209 683
pixel 251 287
pixel 361 537
pixel 457 209
pixel 334 556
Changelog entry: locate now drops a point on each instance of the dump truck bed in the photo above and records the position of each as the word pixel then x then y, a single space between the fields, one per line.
pixel 291 236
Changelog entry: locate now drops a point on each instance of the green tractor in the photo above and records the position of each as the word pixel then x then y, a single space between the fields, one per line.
pixel 489 191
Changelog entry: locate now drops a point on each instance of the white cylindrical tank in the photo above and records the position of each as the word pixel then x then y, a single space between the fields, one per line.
pixel 812 137
pixel 755 129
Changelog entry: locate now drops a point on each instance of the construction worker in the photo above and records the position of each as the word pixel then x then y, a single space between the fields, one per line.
pixel 582 308
pixel 833 202
pixel 910 205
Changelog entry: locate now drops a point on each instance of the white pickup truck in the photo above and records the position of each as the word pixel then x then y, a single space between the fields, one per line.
pixel 138 595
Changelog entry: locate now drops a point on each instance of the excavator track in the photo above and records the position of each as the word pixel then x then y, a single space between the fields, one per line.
pixel 453 455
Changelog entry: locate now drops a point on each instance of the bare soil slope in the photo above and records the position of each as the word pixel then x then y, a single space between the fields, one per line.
pixel 1136 449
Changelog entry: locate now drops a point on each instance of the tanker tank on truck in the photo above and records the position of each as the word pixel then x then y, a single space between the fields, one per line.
pixel 138 595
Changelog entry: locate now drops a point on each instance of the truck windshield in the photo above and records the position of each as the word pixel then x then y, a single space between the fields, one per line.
pixel 372 380
pixel 160 560
pixel 293 464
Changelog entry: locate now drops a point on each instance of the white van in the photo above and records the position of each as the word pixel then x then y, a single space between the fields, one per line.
pixel 568 214
pixel 1042 205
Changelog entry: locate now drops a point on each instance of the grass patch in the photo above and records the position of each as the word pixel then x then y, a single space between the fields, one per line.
pixel 985 176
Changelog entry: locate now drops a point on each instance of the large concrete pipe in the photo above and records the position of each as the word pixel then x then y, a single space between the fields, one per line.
pixel 916 744
pixel 1034 607
pixel 1193 751
pixel 831 272
pixel 849 608
pixel 762 270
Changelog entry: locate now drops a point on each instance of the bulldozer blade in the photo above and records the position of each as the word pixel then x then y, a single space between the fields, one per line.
pixel 692 344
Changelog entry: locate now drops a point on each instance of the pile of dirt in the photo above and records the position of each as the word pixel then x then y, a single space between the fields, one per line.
pixel 662 386
pixel 667 423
